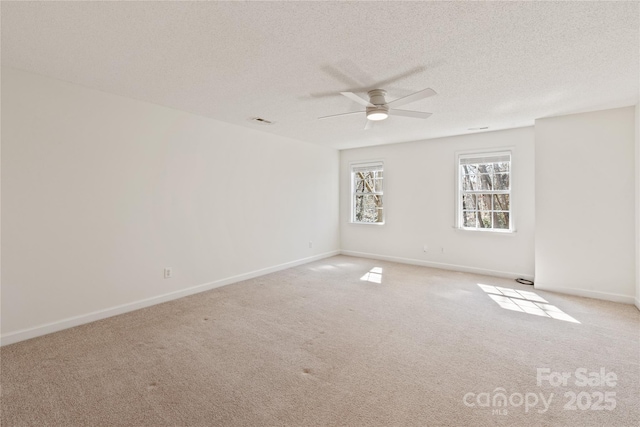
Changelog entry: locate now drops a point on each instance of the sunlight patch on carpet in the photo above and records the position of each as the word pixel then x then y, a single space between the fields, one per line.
pixel 525 302
pixel 374 275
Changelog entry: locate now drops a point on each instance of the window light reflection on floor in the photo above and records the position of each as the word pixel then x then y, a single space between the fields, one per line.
pixel 525 302
pixel 374 275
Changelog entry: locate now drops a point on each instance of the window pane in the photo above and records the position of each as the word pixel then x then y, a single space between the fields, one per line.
pixel 485 168
pixel 484 182
pixel 364 182
pixel 484 219
pixel 501 202
pixel 484 202
pixel 370 215
pixel 469 219
pixel 469 182
pixel 501 167
pixel 378 186
pixel 366 208
pixel 469 169
pixel 501 181
pixel 468 202
pixel 501 220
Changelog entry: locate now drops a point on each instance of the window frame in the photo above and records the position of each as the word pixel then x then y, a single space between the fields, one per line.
pixel 459 224
pixel 353 192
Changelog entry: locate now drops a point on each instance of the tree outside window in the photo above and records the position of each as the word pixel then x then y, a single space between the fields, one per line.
pixel 485 191
pixel 367 193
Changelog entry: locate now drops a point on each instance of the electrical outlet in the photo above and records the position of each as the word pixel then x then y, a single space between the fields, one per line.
pixel 441 250
pixel 425 248
pixel 168 273
pixel 310 244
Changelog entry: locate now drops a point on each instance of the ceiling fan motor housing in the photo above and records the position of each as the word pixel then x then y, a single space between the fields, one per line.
pixel 376 96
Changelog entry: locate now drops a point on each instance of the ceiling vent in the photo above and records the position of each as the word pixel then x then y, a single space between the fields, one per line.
pixel 261 121
pixel 482 128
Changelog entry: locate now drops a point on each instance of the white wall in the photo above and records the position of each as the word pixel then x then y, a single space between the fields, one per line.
pixel 585 221
pixel 638 206
pixel 101 192
pixel 420 201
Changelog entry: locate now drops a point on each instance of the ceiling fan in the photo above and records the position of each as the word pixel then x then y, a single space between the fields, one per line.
pixel 379 109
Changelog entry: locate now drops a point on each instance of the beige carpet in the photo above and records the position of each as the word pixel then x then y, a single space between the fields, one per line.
pixel 317 346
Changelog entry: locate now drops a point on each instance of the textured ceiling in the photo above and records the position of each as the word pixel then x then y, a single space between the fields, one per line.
pixel 495 64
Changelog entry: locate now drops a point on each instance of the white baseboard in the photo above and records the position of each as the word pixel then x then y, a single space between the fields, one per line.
pixel 607 296
pixel 443 266
pixel 70 322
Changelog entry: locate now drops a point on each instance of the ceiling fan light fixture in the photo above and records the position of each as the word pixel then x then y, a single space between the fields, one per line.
pixel 377 116
pixel 379 112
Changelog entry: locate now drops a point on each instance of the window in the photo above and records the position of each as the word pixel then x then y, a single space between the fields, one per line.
pixel 366 192
pixel 484 201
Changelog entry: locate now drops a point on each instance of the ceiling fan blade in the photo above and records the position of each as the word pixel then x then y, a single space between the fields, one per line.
pixel 341 114
pixel 341 74
pixel 357 74
pixel 425 93
pixel 352 96
pixel 369 125
pixel 401 76
pixel 407 113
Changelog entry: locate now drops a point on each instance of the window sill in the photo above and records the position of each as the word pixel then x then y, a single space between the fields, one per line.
pixel 487 232
pixel 366 223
